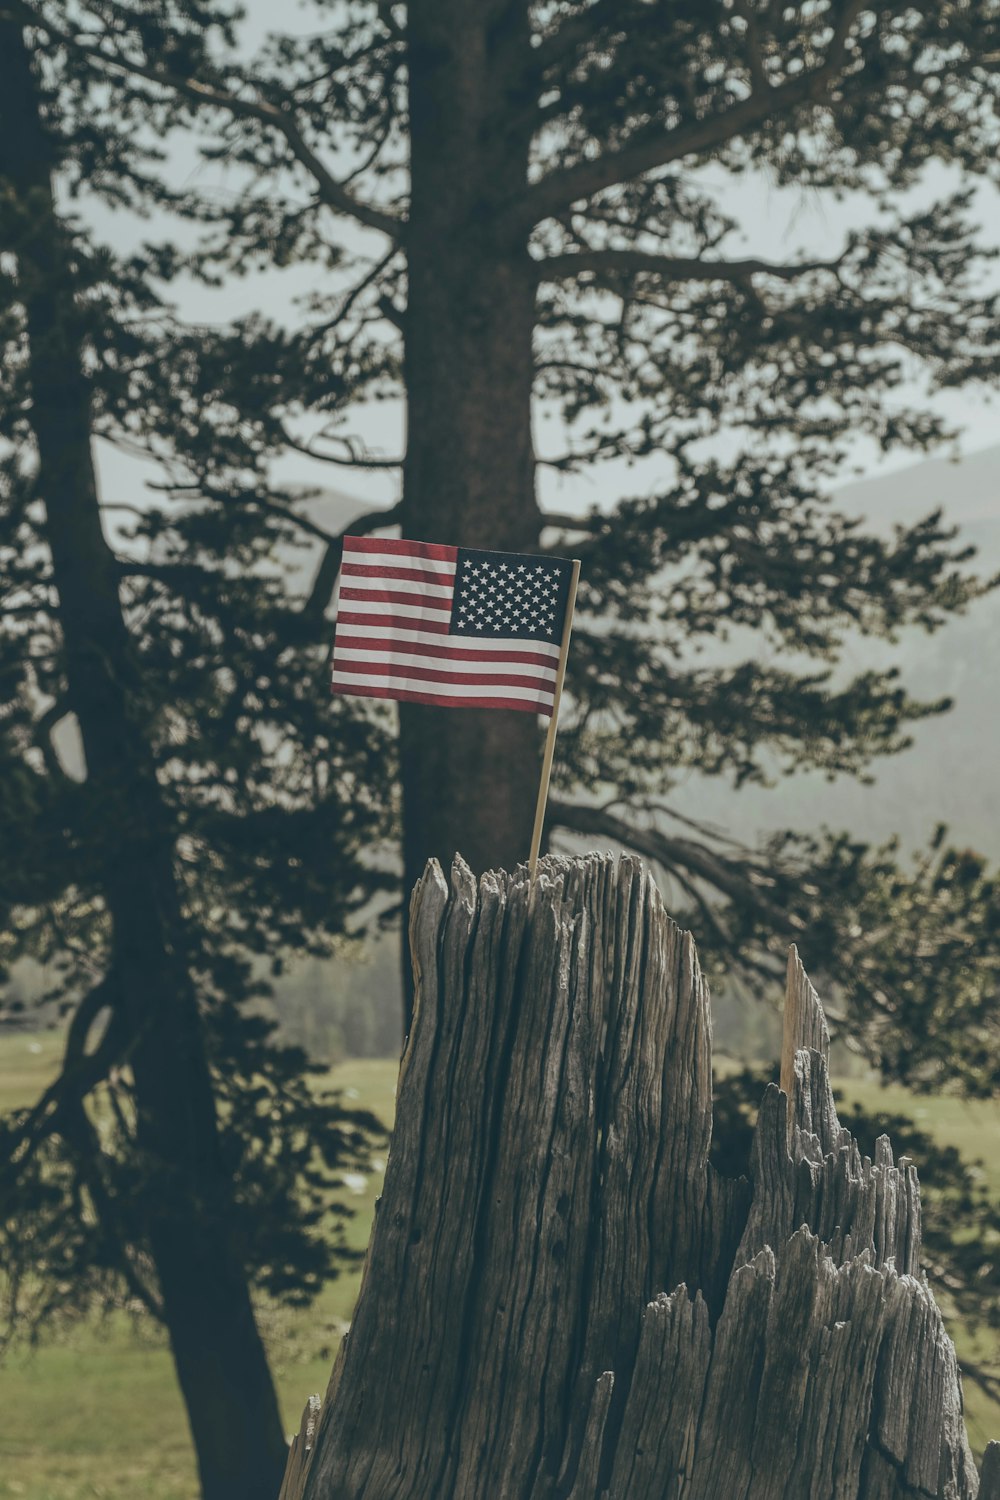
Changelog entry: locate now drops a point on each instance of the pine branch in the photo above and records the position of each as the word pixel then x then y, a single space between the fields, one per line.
pixel 737 879
pixel 573 34
pixel 272 116
pixel 755 55
pixel 356 458
pixel 656 147
pixel 672 268
pixel 565 522
pixel 201 491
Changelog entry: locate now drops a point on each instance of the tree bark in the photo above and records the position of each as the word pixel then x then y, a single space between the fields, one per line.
pixel 563 1299
pixel 220 1360
pixel 469 776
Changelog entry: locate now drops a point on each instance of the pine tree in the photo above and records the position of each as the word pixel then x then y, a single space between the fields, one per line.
pixel 516 205
pixel 509 208
pixel 204 823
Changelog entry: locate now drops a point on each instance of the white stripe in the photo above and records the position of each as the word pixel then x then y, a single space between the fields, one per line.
pixel 467 642
pixel 446 664
pixel 398 560
pixel 443 689
pixel 397 585
pixel 349 607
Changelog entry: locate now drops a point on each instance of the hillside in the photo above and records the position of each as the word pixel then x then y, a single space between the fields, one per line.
pixel 950 775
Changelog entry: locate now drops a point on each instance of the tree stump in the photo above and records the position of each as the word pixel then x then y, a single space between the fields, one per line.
pixel 562 1298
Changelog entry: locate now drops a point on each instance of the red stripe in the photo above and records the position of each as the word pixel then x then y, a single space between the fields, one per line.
pixel 378 668
pixel 383 596
pixel 417 575
pixel 454 653
pixel 404 548
pixel 439 702
pixel 347 618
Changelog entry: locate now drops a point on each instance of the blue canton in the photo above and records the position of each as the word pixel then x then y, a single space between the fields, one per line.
pixel 510 595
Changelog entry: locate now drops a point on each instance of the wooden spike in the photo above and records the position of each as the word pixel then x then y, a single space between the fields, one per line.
pixel 804 1026
pixel 300 1451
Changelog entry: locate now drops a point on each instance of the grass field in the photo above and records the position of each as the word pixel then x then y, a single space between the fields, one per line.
pixel 96 1415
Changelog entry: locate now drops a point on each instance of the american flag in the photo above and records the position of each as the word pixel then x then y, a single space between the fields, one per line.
pixel 449 625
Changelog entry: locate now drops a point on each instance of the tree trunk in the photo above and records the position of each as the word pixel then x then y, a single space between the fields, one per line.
pixel 469 776
pixel 220 1359
pixel 563 1299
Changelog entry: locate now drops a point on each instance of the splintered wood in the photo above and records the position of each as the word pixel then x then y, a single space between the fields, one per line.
pixel 563 1299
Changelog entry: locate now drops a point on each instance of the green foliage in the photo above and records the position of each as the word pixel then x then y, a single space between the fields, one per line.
pixel 907 953
pixel 714 609
pixel 275 798
pixel 75 1190
pixel 717 598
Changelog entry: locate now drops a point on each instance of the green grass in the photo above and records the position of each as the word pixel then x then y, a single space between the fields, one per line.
pixel 96 1414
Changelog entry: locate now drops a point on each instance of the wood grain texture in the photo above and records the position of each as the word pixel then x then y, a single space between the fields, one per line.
pixel 562 1301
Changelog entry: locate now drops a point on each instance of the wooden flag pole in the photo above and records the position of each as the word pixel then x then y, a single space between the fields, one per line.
pixel 550 738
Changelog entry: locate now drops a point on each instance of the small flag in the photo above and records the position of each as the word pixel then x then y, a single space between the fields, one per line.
pixel 450 625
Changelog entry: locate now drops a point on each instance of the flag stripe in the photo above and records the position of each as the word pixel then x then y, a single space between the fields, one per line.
pixel 408 598
pixel 409 695
pixel 397 546
pixel 396 588
pixel 443 693
pixel 352 642
pixel 402 618
pixel 493 672
pixel 412 575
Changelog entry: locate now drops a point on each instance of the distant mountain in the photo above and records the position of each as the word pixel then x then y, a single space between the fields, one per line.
pixel 952 772
pixel 967 489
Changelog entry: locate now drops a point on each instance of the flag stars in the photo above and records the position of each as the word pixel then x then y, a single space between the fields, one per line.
pixel 507 596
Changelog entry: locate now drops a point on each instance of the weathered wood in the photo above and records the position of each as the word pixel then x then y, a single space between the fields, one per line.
pixel 804 1024
pixel 300 1451
pixel 990 1480
pixel 562 1299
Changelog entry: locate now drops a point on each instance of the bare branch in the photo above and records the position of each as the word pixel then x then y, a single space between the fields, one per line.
pixel 329 569
pixel 357 291
pixel 81 1071
pixel 738 879
pixel 755 57
pixel 672 268
pixel 566 522
pixel 357 458
pixel 392 314
pixel 41 736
